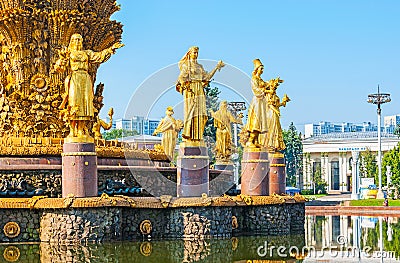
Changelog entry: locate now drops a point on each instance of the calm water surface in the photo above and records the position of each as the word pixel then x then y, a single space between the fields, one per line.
pixel 326 239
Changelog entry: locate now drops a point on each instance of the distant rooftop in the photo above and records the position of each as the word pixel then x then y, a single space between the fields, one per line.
pixel 349 135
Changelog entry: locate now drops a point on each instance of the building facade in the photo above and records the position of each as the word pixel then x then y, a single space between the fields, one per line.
pixel 331 156
pixel 142 125
pixel 325 127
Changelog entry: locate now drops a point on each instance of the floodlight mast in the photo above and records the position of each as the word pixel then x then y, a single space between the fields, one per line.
pixel 378 99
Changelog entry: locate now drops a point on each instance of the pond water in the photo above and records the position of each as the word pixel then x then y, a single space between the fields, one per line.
pixel 326 239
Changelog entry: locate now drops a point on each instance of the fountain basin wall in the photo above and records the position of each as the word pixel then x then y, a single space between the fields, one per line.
pixel 98 219
pixel 34 176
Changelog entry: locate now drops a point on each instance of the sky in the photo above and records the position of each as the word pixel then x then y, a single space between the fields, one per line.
pixel 331 54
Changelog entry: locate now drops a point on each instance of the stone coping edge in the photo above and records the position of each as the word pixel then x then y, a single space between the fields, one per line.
pixel 353 210
pixel 43 202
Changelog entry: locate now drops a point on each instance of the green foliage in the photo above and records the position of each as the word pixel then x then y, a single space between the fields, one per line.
pixel 293 154
pixel 368 165
pixel 210 131
pixel 397 130
pixel 319 184
pixel 118 133
pixel 373 202
pixel 392 159
pixel 212 97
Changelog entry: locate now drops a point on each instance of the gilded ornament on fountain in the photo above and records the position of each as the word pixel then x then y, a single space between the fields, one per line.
pixel 33 34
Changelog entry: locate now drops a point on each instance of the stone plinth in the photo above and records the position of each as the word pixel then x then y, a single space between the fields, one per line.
pixel 79 170
pixel 277 173
pixel 255 168
pixel 192 171
pixel 224 181
pixel 223 166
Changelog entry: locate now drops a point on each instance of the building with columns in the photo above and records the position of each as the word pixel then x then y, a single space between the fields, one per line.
pixel 331 155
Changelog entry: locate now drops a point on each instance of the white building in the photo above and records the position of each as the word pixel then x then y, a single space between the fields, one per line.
pixel 325 127
pixel 142 125
pixel 331 153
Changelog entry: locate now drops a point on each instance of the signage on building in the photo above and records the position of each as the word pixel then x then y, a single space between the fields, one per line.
pixel 365 182
pixel 349 149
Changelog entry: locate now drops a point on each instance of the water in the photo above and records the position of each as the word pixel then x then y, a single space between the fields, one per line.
pixel 341 238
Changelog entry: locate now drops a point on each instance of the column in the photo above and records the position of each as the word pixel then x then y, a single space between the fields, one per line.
pixel 355 189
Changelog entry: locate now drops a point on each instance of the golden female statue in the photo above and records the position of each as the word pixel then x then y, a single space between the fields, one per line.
pixel 274 137
pixel 169 127
pixel 257 114
pixel 222 121
pixel 191 82
pixel 79 91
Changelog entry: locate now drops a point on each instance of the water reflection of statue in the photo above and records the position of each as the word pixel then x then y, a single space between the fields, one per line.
pixel 257 115
pixel 78 85
pixel 274 137
pixel 222 121
pixel 191 82
pixel 169 127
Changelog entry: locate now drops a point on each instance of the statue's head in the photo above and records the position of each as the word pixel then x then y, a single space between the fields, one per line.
pixel 193 52
pixel 76 42
pixel 223 104
pixel 258 66
pixel 169 111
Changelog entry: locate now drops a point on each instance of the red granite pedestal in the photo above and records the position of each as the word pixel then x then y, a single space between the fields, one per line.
pixel 255 168
pixel 277 173
pixel 192 171
pixel 79 170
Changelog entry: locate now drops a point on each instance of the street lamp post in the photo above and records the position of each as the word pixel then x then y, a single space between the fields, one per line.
pixel 235 107
pixel 378 99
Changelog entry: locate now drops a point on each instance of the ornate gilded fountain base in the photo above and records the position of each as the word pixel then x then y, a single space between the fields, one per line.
pixel 79 170
pixel 192 171
pixel 255 168
pixel 277 174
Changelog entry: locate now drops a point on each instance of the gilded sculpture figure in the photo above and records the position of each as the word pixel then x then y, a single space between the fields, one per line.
pixel 274 138
pixel 257 125
pixel 79 90
pixel 222 121
pixel 191 82
pixel 263 124
pixel 169 127
pixel 99 123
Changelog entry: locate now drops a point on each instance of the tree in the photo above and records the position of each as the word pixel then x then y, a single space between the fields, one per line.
pixel 319 184
pixel 293 154
pixel 210 131
pixel 368 167
pixel 212 103
pixel 397 130
pixel 118 133
pixel 392 159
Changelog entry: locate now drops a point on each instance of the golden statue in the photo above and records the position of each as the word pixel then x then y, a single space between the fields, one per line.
pixel 191 82
pixel 257 125
pixel 79 90
pixel 274 138
pixel 169 127
pixel 222 121
pixel 99 123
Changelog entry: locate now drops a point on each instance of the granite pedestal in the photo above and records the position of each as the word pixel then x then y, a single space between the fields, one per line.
pixel 255 168
pixel 277 173
pixel 79 170
pixel 192 171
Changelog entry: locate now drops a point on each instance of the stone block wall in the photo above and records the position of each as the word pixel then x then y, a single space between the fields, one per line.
pixel 113 223
pixel 65 226
pixel 25 229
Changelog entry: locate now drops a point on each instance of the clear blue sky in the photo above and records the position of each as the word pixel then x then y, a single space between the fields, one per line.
pixel 331 53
